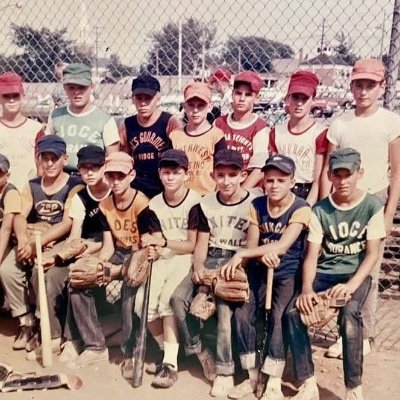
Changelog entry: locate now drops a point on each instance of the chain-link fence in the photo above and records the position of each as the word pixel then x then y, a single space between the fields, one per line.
pixel 183 40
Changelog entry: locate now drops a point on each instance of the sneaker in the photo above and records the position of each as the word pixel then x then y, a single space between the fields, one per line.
pixel 335 351
pixel 274 393
pixel 127 368
pixel 308 391
pixel 89 357
pixel 23 336
pixel 33 343
pixel 166 377
pixel 354 394
pixel 245 388
pixel 153 368
pixel 222 386
pixel 69 351
pixel 36 353
pixel 207 362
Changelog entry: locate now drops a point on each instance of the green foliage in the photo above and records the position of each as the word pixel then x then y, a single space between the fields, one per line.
pixel 344 49
pixel 117 70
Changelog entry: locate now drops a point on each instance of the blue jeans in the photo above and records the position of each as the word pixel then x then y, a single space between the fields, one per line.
pixel 350 328
pixel 189 326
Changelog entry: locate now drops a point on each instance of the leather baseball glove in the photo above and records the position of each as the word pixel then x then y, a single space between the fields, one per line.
pixel 87 272
pixel 203 305
pixel 326 309
pixel 234 290
pixel 71 249
pixel 136 267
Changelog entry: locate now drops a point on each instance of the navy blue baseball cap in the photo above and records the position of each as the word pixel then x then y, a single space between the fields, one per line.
pixel 91 155
pixel 174 157
pixel 145 84
pixel 52 144
pixel 4 163
pixel 228 157
pixel 281 162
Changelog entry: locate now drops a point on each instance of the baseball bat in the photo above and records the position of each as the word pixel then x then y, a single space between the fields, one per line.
pixel 268 294
pixel 140 350
pixel 44 310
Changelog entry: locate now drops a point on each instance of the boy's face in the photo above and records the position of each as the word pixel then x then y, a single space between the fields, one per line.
pixel 91 173
pixel 145 104
pixel 51 164
pixel 243 99
pixel 172 178
pixel 277 184
pixel 11 103
pixel 119 182
pixel 228 179
pixel 366 92
pixel 196 110
pixel 3 179
pixel 78 95
pixel 299 105
pixel 345 182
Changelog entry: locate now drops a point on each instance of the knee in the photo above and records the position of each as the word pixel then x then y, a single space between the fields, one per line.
pixel 55 282
pixel 290 317
pixel 180 306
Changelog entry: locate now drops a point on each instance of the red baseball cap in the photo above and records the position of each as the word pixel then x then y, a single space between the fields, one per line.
pixel 250 78
pixel 11 83
pixel 304 82
pixel 220 74
pixel 371 68
pixel 200 90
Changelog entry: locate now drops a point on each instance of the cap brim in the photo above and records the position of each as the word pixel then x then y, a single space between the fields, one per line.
pixel 349 166
pixel 80 82
pixel 228 164
pixel 11 89
pixel 3 169
pixel 367 75
pixel 169 162
pixel 150 92
pixel 58 153
pixel 277 166
pixel 94 161
pixel 198 96
pixel 301 89
pixel 116 168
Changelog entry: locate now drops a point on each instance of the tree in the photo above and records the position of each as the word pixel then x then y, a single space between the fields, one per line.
pixel 254 53
pixel 344 49
pixel 117 70
pixel 197 39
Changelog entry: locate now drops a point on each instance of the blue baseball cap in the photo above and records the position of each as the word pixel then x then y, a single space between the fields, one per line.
pixel 4 163
pixel 281 162
pixel 145 84
pixel 52 144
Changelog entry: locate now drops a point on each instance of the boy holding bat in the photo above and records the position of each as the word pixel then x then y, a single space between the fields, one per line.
pixel 278 224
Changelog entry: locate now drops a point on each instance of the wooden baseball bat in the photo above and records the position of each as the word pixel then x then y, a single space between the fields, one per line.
pixel 268 294
pixel 140 350
pixel 47 356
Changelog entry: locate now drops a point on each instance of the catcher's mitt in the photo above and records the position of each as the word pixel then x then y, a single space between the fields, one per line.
pixel 71 249
pixel 203 305
pixel 87 272
pixel 234 290
pixel 326 309
pixel 136 267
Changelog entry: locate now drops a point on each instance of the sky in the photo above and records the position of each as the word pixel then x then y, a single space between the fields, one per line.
pixel 123 26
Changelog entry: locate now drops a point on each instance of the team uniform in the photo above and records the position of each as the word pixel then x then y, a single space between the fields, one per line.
pixel 200 150
pixel 94 127
pixel 145 145
pixel 342 233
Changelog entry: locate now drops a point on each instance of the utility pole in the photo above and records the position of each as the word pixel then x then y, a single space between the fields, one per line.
pixel 180 55
pixel 96 46
pixel 322 37
pixel 157 62
pixel 383 29
pixel 240 59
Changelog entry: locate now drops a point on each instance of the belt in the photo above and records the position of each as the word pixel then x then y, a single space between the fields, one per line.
pixel 217 252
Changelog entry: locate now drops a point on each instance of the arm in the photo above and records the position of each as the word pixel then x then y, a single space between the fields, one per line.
pixel 326 185
pixel 107 249
pixel 5 234
pixel 111 137
pixel 200 256
pixel 122 138
pixel 179 247
pixel 317 181
pixel 253 178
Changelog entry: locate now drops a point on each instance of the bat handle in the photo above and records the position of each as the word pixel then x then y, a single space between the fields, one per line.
pixel 268 294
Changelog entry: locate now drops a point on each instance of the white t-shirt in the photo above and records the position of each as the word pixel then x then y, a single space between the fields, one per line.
pixel 370 136
pixel 77 210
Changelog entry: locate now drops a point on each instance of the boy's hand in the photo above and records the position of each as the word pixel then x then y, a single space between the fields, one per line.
pixel 306 301
pixel 154 253
pixel 342 290
pixel 47 263
pixel 228 270
pixel 26 252
pixel 198 273
pixel 271 260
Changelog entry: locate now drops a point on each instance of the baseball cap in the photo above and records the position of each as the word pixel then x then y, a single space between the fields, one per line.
pixel 250 78
pixel 78 74
pixel 346 158
pixel 228 157
pixel 200 90
pixel 91 155
pixel 4 163
pixel 118 162
pixel 10 83
pixel 175 157
pixel 304 82
pixel 370 68
pixel 281 162
pixel 220 74
pixel 52 144
pixel 145 84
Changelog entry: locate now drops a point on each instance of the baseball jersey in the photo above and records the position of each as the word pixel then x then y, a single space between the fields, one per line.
pixel 250 138
pixel 343 232
pixel 272 227
pixel 371 137
pixel 226 223
pixel 49 206
pixel 94 127
pixel 85 207
pixel 18 145
pixel 145 145
pixel 200 150
pixel 123 224
pixel 300 147
pixel 10 201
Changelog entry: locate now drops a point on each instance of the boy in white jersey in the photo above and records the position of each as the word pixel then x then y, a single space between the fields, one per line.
pixel 223 224
pixel 302 138
pixel 81 122
pixel 343 246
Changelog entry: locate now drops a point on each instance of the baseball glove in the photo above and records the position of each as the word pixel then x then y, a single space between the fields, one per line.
pixel 87 272
pixel 326 309
pixel 234 290
pixel 136 267
pixel 203 305
pixel 71 249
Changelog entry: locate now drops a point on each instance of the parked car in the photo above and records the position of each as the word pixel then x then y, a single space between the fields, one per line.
pixel 324 108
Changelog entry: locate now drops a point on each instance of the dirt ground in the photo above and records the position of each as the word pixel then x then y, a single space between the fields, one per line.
pixel 104 381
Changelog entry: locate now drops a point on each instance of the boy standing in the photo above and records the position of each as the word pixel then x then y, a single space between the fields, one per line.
pixel 343 247
pixel 145 136
pixel 221 81
pixel 302 138
pixel 81 122
pixel 199 139
pixel 18 134
pixel 244 130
